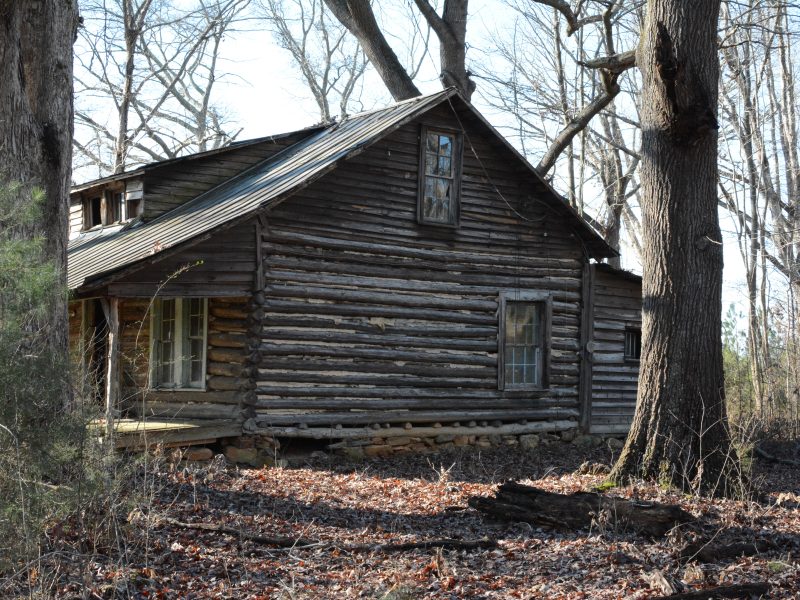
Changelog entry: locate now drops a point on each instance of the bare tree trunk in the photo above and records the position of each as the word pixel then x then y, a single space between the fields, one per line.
pixel 36 126
pixel 359 19
pixel 680 432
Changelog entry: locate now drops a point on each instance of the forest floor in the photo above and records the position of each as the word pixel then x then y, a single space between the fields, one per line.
pixel 344 510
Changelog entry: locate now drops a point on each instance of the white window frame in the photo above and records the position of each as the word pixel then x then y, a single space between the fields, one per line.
pixel 529 297
pixel 181 339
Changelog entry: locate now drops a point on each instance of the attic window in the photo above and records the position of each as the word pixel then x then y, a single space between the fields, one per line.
pixel 440 175
pixel 112 206
pixel 94 212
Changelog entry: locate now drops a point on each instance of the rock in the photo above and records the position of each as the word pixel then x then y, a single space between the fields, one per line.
pixel 198 454
pixel 461 440
pixel 568 435
pixel 401 441
pixel 587 441
pixel 441 439
pixel 495 440
pixel 246 441
pixel 529 441
pixel 271 461
pixel 352 451
pixel 615 443
pixel 246 456
pixel 378 450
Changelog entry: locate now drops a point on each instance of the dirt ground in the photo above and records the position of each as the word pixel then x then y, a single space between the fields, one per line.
pixel 334 507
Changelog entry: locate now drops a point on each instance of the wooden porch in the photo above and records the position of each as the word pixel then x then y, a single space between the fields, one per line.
pixel 138 434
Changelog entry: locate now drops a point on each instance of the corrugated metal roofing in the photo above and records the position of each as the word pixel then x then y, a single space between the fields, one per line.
pixel 257 187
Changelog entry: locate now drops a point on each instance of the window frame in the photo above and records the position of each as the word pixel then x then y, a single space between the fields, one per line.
pixel 630 329
pixel 114 207
pixel 531 297
pixel 182 337
pixel 457 164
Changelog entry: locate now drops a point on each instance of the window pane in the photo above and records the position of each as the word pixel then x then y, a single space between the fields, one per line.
pixel 522 344
pixel 431 161
pixel 443 167
pixel 445 145
pixel 433 143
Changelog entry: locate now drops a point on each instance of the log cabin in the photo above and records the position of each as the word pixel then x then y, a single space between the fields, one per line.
pixel 401 273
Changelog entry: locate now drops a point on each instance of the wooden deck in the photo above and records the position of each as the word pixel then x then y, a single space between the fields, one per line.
pixel 135 434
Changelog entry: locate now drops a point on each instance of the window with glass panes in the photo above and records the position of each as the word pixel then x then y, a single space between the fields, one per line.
pixel 524 335
pixel 523 345
pixel 179 343
pixel 439 185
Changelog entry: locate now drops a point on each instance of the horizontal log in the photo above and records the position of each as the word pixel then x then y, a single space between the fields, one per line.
pixel 370 352
pixel 404 416
pixel 189 410
pixel 226 355
pixel 456 401
pixel 221 383
pixel 182 397
pixel 393 299
pixel 319 433
pixel 435 254
pixel 517 502
pixel 334 309
pixel 227 340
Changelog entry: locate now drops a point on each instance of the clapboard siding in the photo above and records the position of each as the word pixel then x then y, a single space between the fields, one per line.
pixel 223 265
pixel 617 305
pixel 366 309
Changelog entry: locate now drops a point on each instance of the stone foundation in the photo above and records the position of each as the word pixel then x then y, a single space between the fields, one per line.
pixel 259 450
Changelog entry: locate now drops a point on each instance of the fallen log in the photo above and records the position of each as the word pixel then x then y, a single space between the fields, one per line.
pixel 746 590
pixel 772 458
pixel 517 502
pixel 707 552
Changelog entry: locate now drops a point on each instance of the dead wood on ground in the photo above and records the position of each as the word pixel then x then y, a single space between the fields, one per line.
pixel 746 590
pixel 300 543
pixel 517 502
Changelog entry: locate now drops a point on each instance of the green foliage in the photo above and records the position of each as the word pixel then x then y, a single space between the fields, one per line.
pixel 42 435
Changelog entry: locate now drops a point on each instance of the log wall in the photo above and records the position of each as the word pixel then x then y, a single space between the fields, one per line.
pixel 228 383
pixel 617 305
pixel 365 309
pixel 222 265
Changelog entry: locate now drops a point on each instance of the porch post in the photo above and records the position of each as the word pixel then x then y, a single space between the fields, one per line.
pixel 111 310
pixel 586 356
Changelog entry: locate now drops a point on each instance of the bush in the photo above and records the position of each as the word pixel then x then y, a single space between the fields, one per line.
pixel 43 435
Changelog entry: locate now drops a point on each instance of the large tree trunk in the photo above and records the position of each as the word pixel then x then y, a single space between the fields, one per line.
pixel 680 433
pixel 359 19
pixel 36 125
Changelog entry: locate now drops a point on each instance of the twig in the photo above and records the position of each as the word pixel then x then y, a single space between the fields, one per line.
pixel 280 541
pixel 745 590
pixel 300 543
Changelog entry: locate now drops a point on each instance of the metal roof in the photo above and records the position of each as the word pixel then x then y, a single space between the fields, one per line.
pixel 257 187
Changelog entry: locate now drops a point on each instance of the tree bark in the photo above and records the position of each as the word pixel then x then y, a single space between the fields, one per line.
pixel 36 127
pixel 359 19
pixel 680 434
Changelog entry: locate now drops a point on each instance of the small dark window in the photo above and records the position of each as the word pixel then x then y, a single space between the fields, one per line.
pixel 524 341
pixel 440 171
pixel 633 344
pixel 94 212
